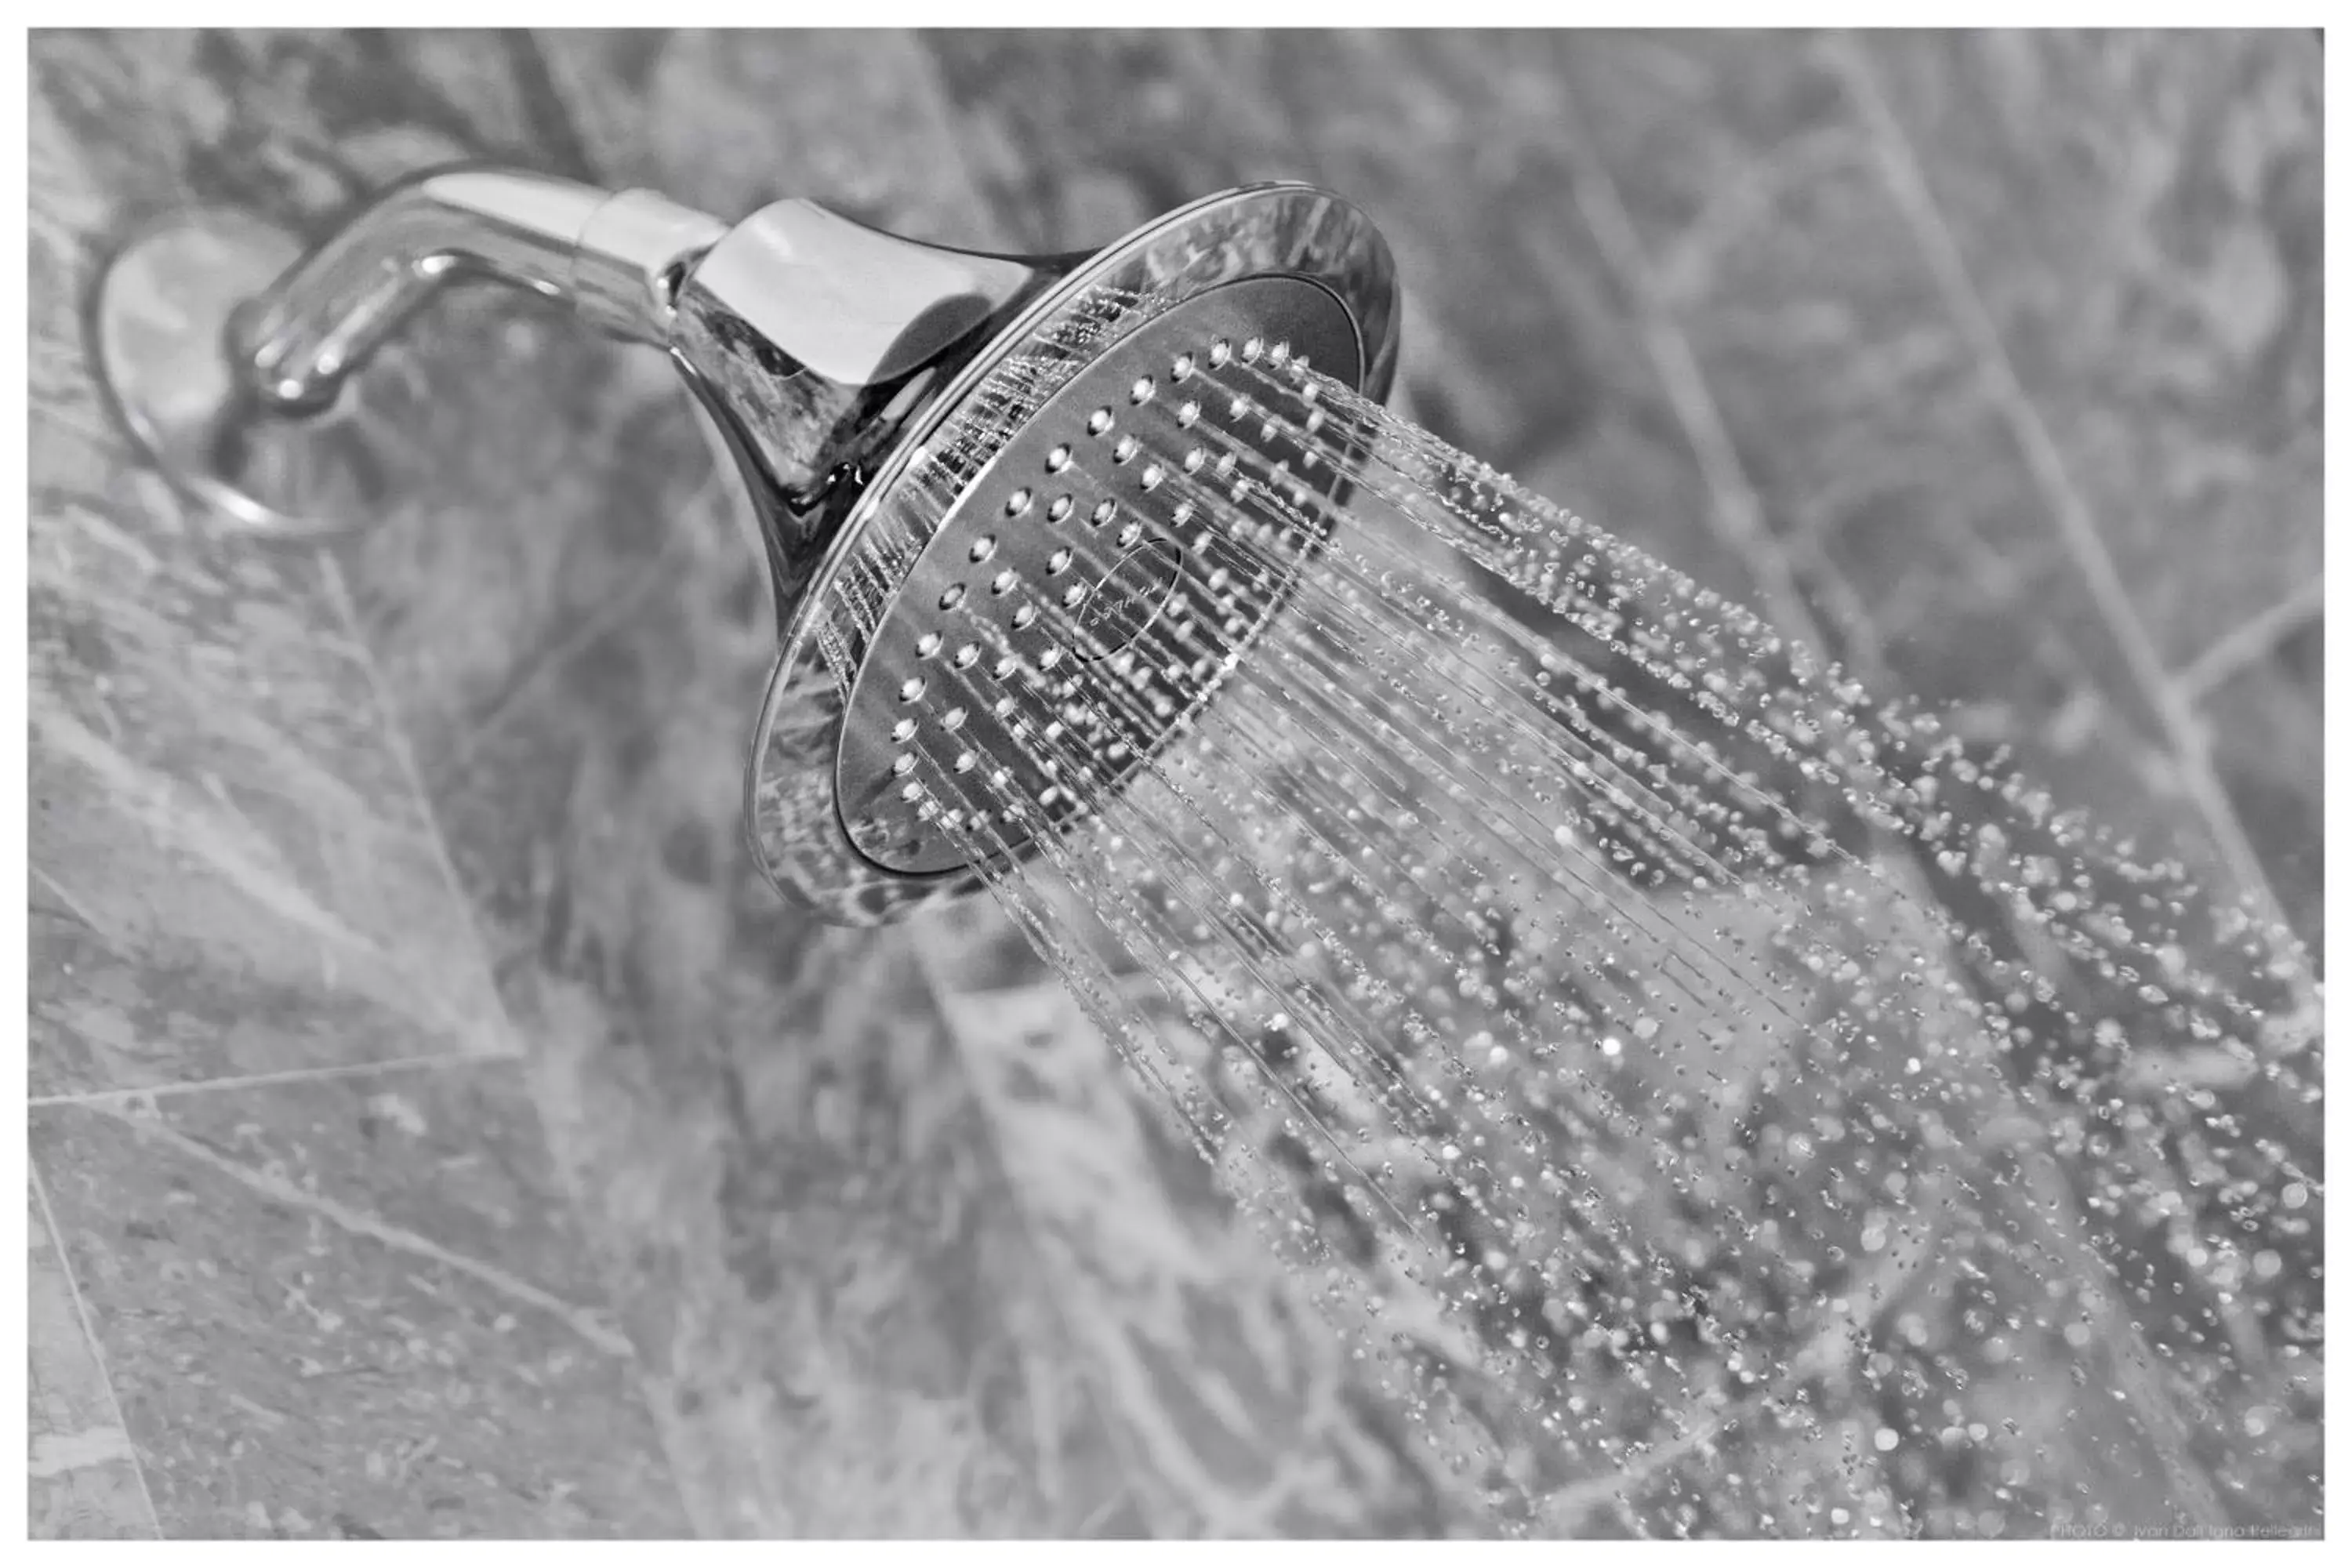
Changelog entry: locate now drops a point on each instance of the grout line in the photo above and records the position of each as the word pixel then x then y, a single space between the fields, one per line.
pixel 725 480
pixel 89 1337
pixel 552 662
pixel 1780 172
pixel 582 1319
pixel 1741 515
pixel 1739 509
pixel 2069 513
pixel 74 907
pixel 933 972
pixel 164 809
pixel 535 79
pixel 2250 641
pixel 395 735
pixel 601 620
pixel 103 1097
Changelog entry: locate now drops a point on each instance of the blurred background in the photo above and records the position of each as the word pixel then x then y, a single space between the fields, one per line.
pixel 436 1128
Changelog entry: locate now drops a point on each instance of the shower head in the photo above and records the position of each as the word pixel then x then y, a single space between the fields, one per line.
pixel 935 442
pixel 1038 474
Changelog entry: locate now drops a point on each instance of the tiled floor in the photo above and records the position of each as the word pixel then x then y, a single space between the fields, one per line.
pixel 435 1130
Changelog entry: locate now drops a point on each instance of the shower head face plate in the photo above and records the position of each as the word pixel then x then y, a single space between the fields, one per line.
pixel 965 611
pixel 1082 599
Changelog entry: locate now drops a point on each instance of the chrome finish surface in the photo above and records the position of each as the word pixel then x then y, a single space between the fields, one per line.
pixel 618 257
pixel 223 347
pixel 842 368
pixel 812 340
pixel 160 332
pixel 807 755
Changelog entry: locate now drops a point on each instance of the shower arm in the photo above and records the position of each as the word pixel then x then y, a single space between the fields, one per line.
pixel 616 259
pixel 810 340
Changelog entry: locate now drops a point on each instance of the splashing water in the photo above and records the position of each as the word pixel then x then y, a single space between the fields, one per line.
pixel 1713 1100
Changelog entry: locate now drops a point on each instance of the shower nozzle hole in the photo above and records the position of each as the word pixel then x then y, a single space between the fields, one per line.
pixel 952 596
pixel 1100 422
pixel 1125 451
pixel 1140 393
pixel 1059 458
pixel 1018 502
pixel 910 689
pixel 983 548
pixel 927 644
pixel 1002 582
pixel 1220 351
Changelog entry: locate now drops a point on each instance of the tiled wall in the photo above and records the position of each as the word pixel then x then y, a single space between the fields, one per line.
pixel 436 1131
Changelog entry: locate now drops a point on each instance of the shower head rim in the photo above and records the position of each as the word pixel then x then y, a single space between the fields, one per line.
pixel 1283 229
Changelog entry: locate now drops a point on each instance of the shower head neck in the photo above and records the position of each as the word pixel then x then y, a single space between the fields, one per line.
pixel 809 336
pixel 813 341
pixel 842 366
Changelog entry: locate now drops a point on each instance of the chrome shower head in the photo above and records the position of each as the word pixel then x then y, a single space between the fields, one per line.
pixel 937 442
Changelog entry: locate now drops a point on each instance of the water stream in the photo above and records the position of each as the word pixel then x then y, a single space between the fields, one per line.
pixel 1712 1099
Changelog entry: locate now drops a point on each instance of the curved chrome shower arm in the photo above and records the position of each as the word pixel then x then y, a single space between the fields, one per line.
pixel 809 337
pixel 616 257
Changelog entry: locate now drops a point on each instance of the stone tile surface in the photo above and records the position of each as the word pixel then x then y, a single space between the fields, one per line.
pixel 85 1477
pixel 233 870
pixel 798 1189
pixel 876 1253
pixel 1986 317
pixel 353 1309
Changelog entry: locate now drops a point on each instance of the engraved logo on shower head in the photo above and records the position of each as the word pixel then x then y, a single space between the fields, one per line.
pixel 1129 598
